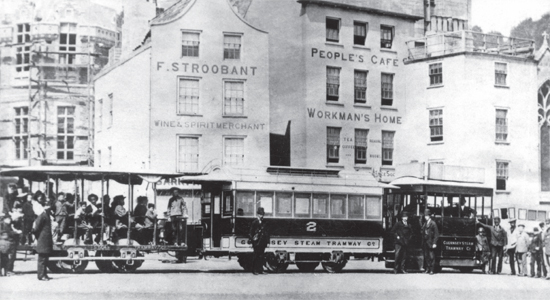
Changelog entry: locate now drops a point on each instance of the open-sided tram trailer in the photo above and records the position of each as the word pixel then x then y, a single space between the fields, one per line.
pixel 313 216
pixel 126 255
pixel 456 244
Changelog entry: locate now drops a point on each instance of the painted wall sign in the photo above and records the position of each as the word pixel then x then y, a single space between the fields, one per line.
pixel 206 68
pixel 354 117
pixel 211 125
pixel 314 243
pixel 342 56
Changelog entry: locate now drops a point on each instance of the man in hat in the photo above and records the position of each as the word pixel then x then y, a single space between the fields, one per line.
pixel 178 213
pixel 430 235
pixel 542 256
pixel 546 243
pixel 402 234
pixel 511 245
pixel 522 246
pixel 535 248
pixel 60 216
pixel 10 198
pixel 42 229
pixel 498 240
pixel 260 239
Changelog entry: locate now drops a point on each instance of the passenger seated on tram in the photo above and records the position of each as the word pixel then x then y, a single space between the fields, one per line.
pixel 466 211
pixel 140 210
pixel 83 225
pixel 121 217
pixel 146 231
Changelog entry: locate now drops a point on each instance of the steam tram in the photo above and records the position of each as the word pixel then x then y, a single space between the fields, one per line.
pixel 313 216
pixel 456 201
pixel 126 254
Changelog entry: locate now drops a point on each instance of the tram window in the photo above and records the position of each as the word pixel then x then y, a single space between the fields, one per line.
pixel 532 215
pixel 265 200
pixel 373 208
pixel 356 207
pixel 338 206
pixel 541 216
pixel 284 204
pixel 302 205
pixel 320 205
pixel 504 213
pixel 512 213
pixel 522 214
pixel 245 203
pixel 227 203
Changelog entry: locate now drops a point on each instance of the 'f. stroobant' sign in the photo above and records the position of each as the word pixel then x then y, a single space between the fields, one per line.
pixel 314 243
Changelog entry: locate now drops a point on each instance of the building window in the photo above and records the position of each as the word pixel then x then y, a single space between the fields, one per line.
pixel 502 125
pixel 360 33
pixel 67 43
pixel 387 34
pixel 333 83
pixel 360 78
pixel 110 116
pixel 387 89
pixel 436 74
pixel 361 136
pixel 188 154
pixel 22 58
pixel 65 132
pixel 190 44
pixel 20 136
pixel 501 71
pixel 387 148
pixel 99 114
pixel 436 125
pixel 333 144
pixel 23 33
pixel 188 98
pixel 333 30
pixel 233 151
pixel 502 175
pixel 233 98
pixel 231 46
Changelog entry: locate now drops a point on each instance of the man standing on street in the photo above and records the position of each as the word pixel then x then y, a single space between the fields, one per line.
pixel 536 252
pixel 42 229
pixel 542 256
pixel 402 234
pixel 546 242
pixel 522 245
pixel 498 240
pixel 430 235
pixel 511 245
pixel 260 238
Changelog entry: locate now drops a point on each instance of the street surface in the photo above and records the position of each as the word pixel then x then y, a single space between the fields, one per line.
pixel 223 279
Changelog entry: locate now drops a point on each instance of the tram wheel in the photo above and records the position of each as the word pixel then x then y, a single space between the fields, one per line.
pixel 333 267
pixel 273 265
pixel 245 261
pixel 307 266
pixel 123 266
pixel 105 266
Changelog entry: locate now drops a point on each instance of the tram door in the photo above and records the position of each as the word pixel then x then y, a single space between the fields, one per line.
pixel 215 218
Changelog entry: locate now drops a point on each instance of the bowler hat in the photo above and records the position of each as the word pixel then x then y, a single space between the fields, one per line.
pixel 521 225
pixel 260 211
pixel 536 229
pixel 172 189
pixel 512 221
pixel 119 197
pixel 22 192
pixel 404 214
pixel 427 212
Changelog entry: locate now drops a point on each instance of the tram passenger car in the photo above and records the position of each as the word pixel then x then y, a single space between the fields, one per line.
pixel 530 216
pixel 313 216
pixel 124 255
pixel 457 197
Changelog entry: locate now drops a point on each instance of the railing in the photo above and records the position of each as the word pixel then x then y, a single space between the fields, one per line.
pixel 468 41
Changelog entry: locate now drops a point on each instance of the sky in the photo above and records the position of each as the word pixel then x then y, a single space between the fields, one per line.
pixel 502 15
pixel 498 15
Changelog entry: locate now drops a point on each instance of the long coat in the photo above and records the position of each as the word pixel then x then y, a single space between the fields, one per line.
pixel 430 233
pixel 43 231
pixel 260 229
pixel 402 233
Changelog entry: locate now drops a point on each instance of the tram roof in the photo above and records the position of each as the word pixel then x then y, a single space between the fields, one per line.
pixel 415 184
pixel 70 173
pixel 296 179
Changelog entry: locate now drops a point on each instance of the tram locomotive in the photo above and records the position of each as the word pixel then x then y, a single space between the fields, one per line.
pixel 313 216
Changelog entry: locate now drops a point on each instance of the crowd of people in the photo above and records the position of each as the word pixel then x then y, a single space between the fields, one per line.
pixel 528 251
pixel 28 216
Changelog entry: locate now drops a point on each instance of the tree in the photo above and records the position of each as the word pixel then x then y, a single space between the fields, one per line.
pixel 533 30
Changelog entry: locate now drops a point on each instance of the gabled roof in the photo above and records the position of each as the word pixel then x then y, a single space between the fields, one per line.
pixel 400 9
pixel 171 12
pixel 543 49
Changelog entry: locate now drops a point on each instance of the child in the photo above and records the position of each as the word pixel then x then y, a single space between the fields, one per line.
pixel 483 251
pixel 7 237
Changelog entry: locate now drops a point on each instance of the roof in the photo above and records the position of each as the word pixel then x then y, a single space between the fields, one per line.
pixel 543 49
pixel 439 186
pixel 402 9
pixel 70 173
pixel 171 12
pixel 307 180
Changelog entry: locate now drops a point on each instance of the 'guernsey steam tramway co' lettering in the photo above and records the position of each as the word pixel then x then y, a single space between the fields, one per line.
pixel 354 117
pixel 211 125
